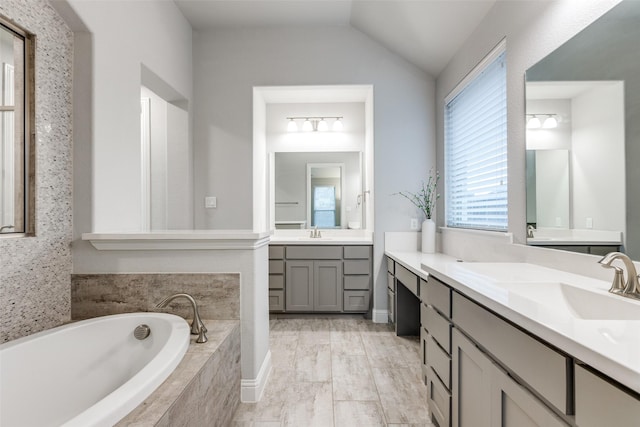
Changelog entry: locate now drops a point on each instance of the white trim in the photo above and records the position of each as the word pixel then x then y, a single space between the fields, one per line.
pixel 491 56
pixel 505 237
pixel 380 316
pixel 251 390
pixel 145 158
pixel 179 240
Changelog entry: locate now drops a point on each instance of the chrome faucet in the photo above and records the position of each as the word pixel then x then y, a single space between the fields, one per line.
pixel 631 288
pixel 530 230
pixel 197 326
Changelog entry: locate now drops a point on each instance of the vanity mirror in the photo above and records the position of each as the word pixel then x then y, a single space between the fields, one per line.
pixel 582 169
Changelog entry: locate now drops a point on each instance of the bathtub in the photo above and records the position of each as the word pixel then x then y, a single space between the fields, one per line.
pixel 87 373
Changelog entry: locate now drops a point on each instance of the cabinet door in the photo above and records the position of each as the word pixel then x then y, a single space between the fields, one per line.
pixel 299 286
pixel 514 406
pixel 471 384
pixel 327 286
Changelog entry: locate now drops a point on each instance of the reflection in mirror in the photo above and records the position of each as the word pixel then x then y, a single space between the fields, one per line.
pixel 591 84
pixel 318 189
pixel 16 150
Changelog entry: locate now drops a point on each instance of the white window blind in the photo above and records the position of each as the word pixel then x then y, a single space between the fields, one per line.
pixel 476 148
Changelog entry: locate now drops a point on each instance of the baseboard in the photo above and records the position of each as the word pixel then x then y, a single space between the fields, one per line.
pixel 380 316
pixel 251 389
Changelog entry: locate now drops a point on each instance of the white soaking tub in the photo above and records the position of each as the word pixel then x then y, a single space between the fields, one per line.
pixel 88 373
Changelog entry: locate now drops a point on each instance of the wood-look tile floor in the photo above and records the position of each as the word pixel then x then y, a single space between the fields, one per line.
pixel 339 371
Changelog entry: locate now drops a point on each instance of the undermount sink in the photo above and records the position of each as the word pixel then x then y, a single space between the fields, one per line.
pixel 314 239
pixel 577 302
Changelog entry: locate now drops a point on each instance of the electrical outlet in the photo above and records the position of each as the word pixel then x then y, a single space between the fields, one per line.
pixel 414 223
pixel 589 223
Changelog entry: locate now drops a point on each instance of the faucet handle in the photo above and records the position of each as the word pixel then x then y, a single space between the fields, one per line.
pixel 617 286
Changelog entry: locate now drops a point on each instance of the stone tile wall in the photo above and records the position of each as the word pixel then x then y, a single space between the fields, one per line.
pixel 35 271
pixel 217 294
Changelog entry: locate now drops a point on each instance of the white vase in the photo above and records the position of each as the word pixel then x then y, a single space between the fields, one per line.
pixel 428 236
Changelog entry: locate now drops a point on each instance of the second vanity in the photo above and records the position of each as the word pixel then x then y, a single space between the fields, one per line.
pixel 515 344
pixel 329 274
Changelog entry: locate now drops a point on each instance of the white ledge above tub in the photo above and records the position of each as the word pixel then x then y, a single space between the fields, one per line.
pixel 178 240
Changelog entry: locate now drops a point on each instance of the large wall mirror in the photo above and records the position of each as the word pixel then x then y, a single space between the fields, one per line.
pixel 583 139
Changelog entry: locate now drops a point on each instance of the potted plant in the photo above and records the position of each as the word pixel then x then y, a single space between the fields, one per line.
pixel 425 200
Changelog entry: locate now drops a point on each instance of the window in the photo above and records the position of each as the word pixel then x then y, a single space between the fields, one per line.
pixel 16 117
pixel 476 147
pixel 324 206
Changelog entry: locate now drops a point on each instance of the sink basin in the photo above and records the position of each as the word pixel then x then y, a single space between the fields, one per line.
pixel 578 302
pixel 508 271
pixel 314 239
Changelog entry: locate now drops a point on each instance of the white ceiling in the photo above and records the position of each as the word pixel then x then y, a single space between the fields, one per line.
pixel 424 32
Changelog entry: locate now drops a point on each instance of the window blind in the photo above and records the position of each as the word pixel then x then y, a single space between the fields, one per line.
pixel 476 148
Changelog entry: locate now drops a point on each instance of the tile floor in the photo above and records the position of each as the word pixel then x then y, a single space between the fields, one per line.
pixel 339 371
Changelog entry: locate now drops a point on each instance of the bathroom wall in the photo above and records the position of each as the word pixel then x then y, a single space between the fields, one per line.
pixel 35 271
pixel 533 30
pixel 131 43
pixel 228 63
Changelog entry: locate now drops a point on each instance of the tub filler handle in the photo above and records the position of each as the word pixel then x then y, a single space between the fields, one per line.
pixel 197 326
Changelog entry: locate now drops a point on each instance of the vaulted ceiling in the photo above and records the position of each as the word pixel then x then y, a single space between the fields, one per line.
pixel 424 32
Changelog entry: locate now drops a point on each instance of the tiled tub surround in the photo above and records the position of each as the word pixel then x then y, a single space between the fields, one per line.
pixel 205 387
pixel 204 390
pixel 217 294
pixel 35 270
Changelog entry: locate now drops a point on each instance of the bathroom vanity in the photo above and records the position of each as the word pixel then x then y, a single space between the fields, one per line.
pixel 501 343
pixel 331 275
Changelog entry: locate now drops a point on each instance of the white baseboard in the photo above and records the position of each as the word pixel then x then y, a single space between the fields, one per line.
pixel 251 389
pixel 380 316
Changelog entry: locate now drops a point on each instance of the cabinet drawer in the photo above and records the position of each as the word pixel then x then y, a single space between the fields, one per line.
pixel 276 281
pixel 391 305
pixel 314 252
pixel 439 328
pixel 407 278
pixel 276 267
pixel 391 283
pixel 357 252
pixel 599 403
pixel 439 401
pixel 391 266
pixel 356 300
pixel 276 252
pixel 440 362
pixel 357 282
pixel 357 267
pixel 522 354
pixel 439 296
pixel 276 300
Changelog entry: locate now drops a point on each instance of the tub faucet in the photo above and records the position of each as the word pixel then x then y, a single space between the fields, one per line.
pixel 631 288
pixel 197 326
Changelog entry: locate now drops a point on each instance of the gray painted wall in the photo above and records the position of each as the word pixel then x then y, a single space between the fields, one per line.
pixel 229 63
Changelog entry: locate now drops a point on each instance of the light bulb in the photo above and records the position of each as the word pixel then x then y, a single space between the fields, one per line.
pixel 292 126
pixel 337 125
pixel 550 122
pixel 323 126
pixel 534 123
pixel 307 126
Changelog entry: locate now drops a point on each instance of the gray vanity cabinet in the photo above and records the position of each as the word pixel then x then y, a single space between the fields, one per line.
pixel 320 278
pixel 601 403
pixel 484 395
pixel 391 290
pixel 313 285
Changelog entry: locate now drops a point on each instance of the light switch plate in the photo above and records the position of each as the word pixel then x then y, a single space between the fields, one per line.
pixel 210 202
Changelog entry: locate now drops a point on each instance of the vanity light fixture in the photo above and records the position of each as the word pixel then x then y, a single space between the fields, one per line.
pixel 550 122
pixel 314 124
pixel 534 122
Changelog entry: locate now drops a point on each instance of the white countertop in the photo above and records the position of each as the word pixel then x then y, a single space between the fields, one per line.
pixel 610 346
pixel 329 237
